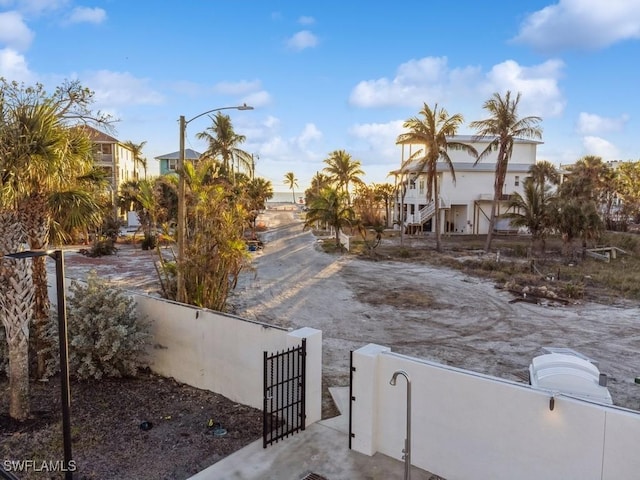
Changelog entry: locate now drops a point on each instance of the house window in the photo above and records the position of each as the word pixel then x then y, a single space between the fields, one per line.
pixel 172 164
pixel 421 186
pixel 517 182
pixel 105 148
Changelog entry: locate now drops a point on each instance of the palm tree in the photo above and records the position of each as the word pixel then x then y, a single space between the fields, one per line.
pixel 318 183
pixel 504 126
pixel 532 210
pixel 136 151
pixel 591 179
pixel 330 207
pixel 291 181
pixel 343 170
pixel 16 306
pixel 48 168
pixel 386 192
pixel 40 164
pixel 544 173
pixel 258 191
pixel 224 142
pixel 434 130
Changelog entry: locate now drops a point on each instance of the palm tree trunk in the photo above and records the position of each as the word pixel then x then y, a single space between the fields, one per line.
pixel 16 307
pixel 35 218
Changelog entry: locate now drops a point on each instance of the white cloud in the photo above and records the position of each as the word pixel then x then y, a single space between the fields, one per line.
pixel 87 15
pixel 115 89
pixel 427 79
pixel 309 134
pixel 380 137
pixel 13 66
pixel 14 33
pixel 257 99
pixel 301 40
pixel 590 123
pixel 600 147
pixel 304 20
pixel 271 122
pixel 581 24
pixel 297 148
pixel 431 80
pixel 538 84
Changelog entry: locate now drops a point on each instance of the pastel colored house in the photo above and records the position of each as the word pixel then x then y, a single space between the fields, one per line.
pixel 465 205
pixel 169 161
pixel 113 157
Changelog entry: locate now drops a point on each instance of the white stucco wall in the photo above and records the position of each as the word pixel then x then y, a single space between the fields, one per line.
pixel 224 353
pixel 469 426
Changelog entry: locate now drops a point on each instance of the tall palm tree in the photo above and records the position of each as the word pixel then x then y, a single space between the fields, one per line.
pixel 291 181
pixel 49 167
pixel 504 126
pixel 434 131
pixel 16 306
pixel 343 170
pixel 224 143
pixel 40 164
pixel 138 159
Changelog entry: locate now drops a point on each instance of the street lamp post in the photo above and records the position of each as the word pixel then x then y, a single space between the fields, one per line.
pixel 182 204
pixel 63 340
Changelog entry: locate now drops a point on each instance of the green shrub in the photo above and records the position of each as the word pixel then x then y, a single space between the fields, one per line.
pixel 149 242
pixel 100 248
pixel 106 338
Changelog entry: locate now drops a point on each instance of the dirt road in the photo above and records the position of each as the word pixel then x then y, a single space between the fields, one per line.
pixel 449 317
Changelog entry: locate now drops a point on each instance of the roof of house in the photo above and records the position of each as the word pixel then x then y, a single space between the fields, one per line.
pixel 96 135
pixel 189 154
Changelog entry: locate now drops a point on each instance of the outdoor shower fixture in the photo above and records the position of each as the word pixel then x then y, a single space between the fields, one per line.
pixel 407 441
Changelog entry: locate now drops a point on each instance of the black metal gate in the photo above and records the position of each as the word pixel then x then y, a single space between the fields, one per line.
pixel 283 412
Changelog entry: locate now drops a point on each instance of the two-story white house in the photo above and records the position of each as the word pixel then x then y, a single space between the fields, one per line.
pixel 465 205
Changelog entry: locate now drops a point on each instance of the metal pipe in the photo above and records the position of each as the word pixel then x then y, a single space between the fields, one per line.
pixel 64 364
pixel 407 441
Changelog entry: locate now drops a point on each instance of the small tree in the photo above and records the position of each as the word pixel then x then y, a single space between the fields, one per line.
pixel 330 207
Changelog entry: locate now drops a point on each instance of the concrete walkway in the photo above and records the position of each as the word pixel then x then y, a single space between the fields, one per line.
pixel 322 449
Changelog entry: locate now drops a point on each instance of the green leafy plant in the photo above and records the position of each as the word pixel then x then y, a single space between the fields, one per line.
pixel 106 336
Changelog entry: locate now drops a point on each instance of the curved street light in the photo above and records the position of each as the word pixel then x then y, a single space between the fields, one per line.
pixel 182 208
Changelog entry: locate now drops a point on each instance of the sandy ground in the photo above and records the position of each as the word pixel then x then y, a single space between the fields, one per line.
pixel 461 321
pixel 464 322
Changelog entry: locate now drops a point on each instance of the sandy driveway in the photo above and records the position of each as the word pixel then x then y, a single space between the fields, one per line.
pixel 464 322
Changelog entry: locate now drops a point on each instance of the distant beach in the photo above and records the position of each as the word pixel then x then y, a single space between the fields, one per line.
pixel 287 197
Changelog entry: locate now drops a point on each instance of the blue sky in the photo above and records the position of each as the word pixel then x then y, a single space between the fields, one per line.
pixel 327 75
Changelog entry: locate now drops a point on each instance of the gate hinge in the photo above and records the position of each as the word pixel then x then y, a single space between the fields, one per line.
pixel 353 369
pixel 353 399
